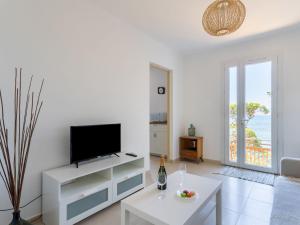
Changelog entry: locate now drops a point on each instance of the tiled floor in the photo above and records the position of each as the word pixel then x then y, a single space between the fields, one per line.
pixel 244 202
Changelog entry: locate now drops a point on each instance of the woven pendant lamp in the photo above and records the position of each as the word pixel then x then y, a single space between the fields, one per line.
pixel 223 17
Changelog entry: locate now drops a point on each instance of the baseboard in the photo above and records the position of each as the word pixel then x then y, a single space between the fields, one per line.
pixel 159 155
pixel 213 161
pixel 179 160
pixel 34 218
pixel 204 159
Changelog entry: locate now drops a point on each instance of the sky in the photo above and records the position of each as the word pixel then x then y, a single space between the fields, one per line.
pixel 257 83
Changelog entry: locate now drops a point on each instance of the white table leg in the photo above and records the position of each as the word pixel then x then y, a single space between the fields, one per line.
pixel 124 216
pixel 219 207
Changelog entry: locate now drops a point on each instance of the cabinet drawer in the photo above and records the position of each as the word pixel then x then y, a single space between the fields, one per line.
pixel 128 185
pixel 158 127
pixel 188 154
pixel 80 206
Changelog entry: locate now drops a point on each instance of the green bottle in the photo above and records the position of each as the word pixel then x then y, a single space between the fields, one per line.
pixel 162 175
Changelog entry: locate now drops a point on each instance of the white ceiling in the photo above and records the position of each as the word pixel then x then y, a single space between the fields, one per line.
pixel 178 23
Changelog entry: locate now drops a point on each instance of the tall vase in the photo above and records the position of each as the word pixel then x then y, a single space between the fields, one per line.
pixel 17 220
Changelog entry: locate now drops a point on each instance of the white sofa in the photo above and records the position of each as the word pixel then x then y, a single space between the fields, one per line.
pixel 286 204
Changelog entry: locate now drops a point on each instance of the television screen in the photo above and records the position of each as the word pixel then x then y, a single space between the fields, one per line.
pixel 89 142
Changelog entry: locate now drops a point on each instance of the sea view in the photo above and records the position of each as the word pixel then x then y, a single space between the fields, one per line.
pixel 261 124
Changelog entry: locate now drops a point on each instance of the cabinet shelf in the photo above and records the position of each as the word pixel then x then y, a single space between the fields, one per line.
pixel 126 170
pixel 190 149
pixel 83 186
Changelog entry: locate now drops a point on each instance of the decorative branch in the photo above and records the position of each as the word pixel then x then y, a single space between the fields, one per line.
pixel 13 167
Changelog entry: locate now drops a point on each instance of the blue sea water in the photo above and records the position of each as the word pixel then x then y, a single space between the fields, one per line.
pixel 262 125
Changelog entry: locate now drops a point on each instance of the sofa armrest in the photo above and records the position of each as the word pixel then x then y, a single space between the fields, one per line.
pixel 290 167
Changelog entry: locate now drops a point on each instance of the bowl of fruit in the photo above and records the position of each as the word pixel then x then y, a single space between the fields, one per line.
pixel 186 194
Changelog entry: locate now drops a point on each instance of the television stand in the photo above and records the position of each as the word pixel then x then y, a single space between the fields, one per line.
pixel 71 195
pixel 116 154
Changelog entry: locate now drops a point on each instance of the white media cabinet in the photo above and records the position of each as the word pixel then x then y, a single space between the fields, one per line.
pixel 71 194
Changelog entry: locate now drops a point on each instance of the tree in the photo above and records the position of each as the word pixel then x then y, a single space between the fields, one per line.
pixel 251 110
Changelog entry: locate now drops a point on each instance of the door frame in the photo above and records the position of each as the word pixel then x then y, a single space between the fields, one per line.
pixel 240 64
pixel 169 107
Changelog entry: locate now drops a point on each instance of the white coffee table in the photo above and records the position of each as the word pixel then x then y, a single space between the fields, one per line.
pixel 165 208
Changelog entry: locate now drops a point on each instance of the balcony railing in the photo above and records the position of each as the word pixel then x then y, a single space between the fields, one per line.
pixel 257 156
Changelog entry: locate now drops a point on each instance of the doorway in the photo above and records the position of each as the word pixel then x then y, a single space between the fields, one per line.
pixel 160 111
pixel 251 114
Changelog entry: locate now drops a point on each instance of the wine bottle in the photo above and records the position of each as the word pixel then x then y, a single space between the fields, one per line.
pixel 162 175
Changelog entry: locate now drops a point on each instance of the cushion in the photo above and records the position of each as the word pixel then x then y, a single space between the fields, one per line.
pixel 286 204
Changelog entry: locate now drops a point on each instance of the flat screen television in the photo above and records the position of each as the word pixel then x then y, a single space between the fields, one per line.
pixel 88 142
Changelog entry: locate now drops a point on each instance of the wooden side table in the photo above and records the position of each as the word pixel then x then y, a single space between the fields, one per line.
pixel 191 148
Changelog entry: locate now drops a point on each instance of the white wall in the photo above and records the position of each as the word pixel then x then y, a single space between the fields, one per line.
pixel 204 84
pixel 158 102
pixel 96 69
